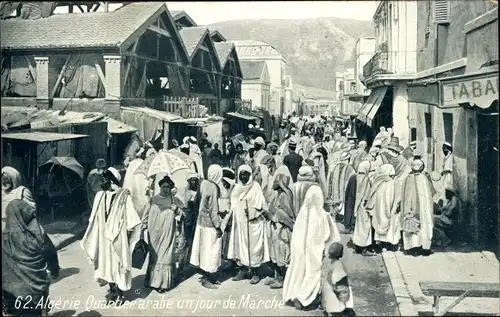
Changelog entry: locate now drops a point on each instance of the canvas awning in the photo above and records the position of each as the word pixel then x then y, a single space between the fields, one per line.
pixel 241 116
pixel 42 137
pixel 118 127
pixel 480 89
pixel 372 105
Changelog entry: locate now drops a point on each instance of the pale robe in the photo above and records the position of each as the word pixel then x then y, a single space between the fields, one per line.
pixel 278 159
pixel 319 162
pixel 338 179
pixel 401 168
pixel 17 192
pixel 417 199
pixel 307 145
pixel 137 184
pixel 447 177
pixel 106 242
pixel 259 155
pixel 381 204
pixel 333 272
pixel 207 247
pixel 195 155
pixel 251 196
pixel 313 232
pixel 94 180
pixel 161 225
pixel 362 235
pixel 276 231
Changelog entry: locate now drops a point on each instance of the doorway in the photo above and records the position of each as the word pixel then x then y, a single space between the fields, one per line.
pixel 487 149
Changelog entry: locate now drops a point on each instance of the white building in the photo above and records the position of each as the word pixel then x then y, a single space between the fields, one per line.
pixel 365 49
pixel 394 62
pixel 256 84
pixel 250 50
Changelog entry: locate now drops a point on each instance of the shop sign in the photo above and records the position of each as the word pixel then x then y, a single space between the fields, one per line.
pixel 481 92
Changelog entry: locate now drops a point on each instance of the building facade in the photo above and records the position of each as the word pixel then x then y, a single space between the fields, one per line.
pixel 454 98
pixel 256 84
pixel 386 73
pixel 365 49
pixel 250 50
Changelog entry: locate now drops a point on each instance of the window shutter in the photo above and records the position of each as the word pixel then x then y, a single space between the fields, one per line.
pixel 442 11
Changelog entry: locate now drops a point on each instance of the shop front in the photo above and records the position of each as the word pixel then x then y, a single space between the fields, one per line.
pixel 475 138
pixel 375 113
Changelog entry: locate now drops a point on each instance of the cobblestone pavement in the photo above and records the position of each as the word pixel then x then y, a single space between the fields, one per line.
pixel 75 293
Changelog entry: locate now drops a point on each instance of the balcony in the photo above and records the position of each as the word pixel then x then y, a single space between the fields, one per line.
pixel 378 64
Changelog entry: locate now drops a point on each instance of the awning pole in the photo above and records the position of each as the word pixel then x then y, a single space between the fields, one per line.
pixel 165 135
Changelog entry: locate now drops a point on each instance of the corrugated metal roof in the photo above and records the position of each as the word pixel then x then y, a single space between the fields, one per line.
pixel 42 137
pixel 241 116
pixel 162 115
pixel 41 118
pixel 252 69
pixel 77 30
pixel 223 50
pixel 192 37
pixel 248 48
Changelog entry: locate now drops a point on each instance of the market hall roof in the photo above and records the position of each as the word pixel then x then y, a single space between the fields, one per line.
pixel 193 39
pixel 115 29
pixel 182 18
pixel 252 69
pixel 249 48
pixel 224 50
pixel 217 36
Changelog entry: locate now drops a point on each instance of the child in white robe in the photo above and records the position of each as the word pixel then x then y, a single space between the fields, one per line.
pixel 337 299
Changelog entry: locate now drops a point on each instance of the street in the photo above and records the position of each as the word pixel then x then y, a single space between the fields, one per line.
pixel 76 293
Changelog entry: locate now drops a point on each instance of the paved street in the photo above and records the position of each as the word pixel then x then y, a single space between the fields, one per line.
pixel 76 289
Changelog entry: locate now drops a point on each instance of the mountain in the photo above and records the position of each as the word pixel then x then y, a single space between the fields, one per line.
pixel 314 48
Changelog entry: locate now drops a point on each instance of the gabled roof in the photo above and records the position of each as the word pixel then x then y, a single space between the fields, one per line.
pixel 252 69
pixel 179 15
pixel 115 29
pixel 224 50
pixel 193 37
pixel 217 36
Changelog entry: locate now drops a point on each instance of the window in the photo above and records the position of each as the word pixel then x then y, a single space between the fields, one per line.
pixel 341 86
pixel 413 134
pixel 353 87
pixel 441 11
pixel 448 127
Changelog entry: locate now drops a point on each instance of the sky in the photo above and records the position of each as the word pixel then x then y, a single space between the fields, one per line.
pixel 204 13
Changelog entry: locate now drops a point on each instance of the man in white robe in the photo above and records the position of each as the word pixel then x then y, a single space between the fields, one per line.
pixel 248 242
pixel 106 243
pixel 137 184
pixel 382 204
pixel 195 154
pixel 447 171
pixel 313 232
pixel 259 150
pixel 417 208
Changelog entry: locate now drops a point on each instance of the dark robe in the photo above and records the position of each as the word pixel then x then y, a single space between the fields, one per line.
pixel 293 161
pixel 350 202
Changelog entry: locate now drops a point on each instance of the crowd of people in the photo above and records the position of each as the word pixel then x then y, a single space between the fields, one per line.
pixel 251 206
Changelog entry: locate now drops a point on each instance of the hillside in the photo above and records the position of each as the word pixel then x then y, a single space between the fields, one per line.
pixel 314 48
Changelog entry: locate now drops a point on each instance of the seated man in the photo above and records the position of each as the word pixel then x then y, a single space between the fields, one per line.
pixel 444 217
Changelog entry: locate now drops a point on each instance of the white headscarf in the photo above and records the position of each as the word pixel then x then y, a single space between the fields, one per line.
pixel 214 174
